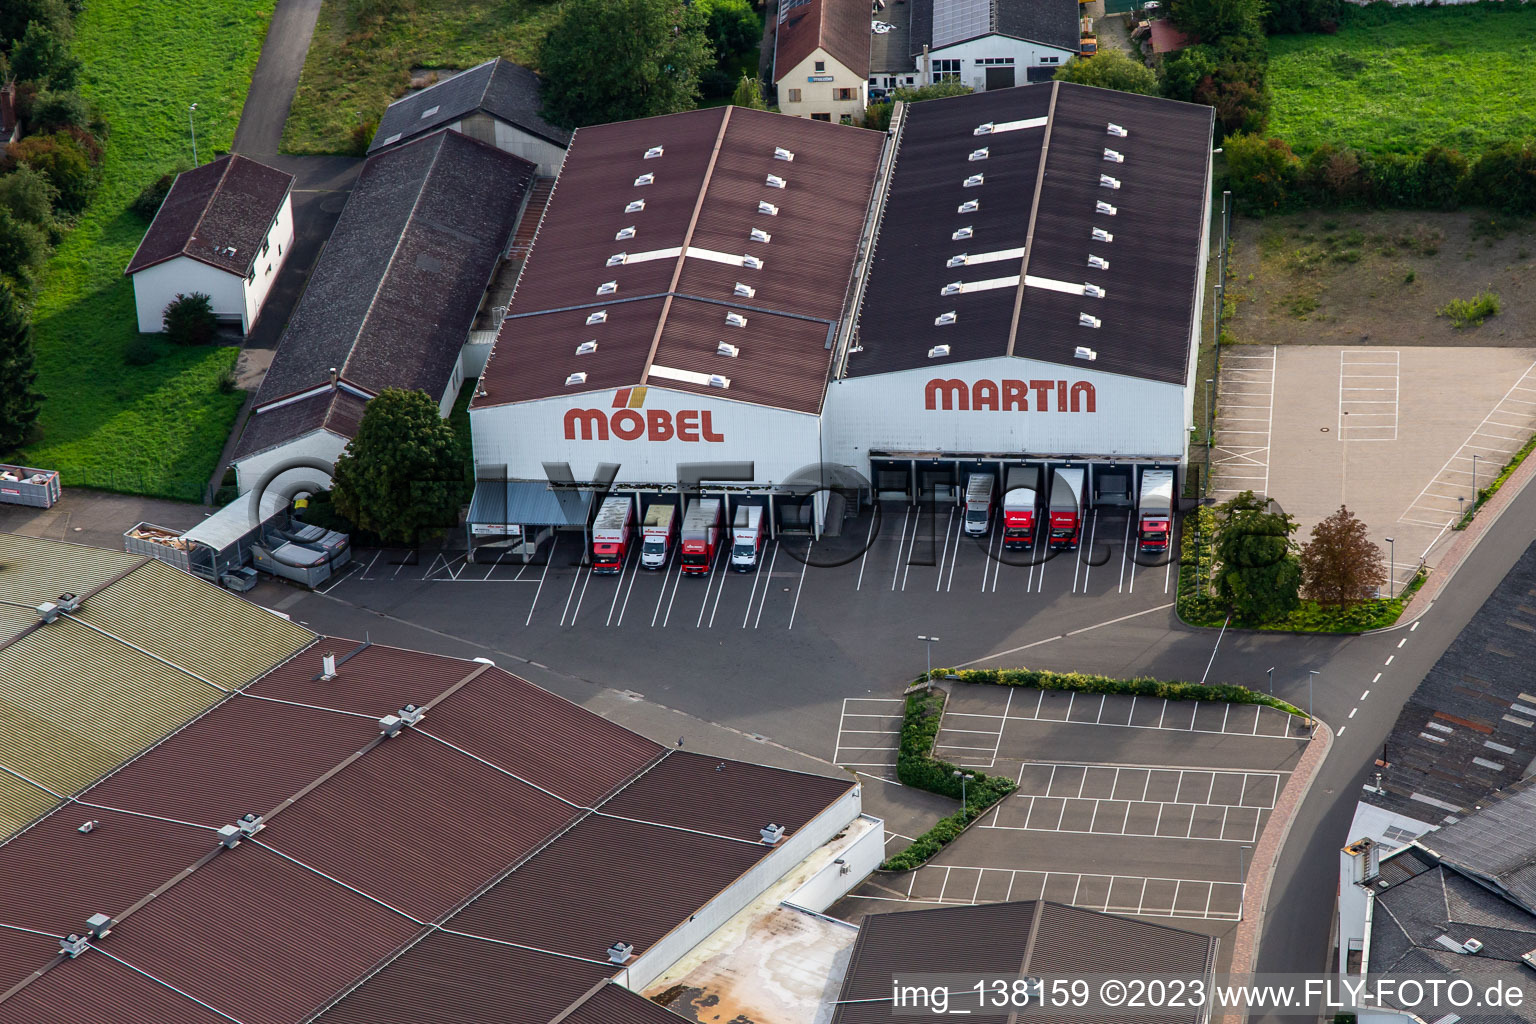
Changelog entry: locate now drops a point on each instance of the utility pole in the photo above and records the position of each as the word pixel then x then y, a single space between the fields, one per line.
pixel 1311 722
pixel 193 127
pixel 1391 568
pixel 928 642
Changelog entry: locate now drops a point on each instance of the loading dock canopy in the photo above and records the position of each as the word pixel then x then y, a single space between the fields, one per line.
pixel 528 503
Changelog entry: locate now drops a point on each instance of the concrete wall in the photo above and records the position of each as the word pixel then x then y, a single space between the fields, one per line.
pixel 317 444
pixel 1025 55
pixel 155 287
pixel 269 264
pixel 512 139
pixel 835 881
pixel 816 97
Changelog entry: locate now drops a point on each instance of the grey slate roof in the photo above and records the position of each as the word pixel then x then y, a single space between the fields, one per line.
pixel 217 214
pixel 1470 726
pixel 498 87
pixel 1497 844
pixel 396 289
pixel 939 23
pixel 334 410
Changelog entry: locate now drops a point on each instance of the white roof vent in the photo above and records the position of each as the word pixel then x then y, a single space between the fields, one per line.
pixel 984 129
pixel 768 208
pixel 953 288
pixel 634 207
pixel 390 725
pixel 1108 182
pixel 1108 209
pixel 1084 352
pixel 411 714
pixel 1086 320
pixel 607 287
pixel 1098 262
pixel 47 611
pixel 1117 131
pixel 780 153
pixel 774 181
pixel 617 259
pixel 957 261
pixel 579 377
pixel 586 348
pixel 1093 291
pixel 74 944
pixel 624 233
pixel 620 952
pixel 759 235
pixel 969 206
pixel 600 317
pixel 654 152
pixel 89 826
pixel 962 234
pixel 752 262
pixel 229 836
pixel 99 926
pixel 979 154
pixel 69 602
pixel 725 348
pixel 743 291
pixel 1471 945
pixel 945 319
pixel 645 179
pixel 974 180
pixel 1114 156
pixel 772 834
pixel 938 352
pixel 250 824
pixel 718 381
pixel 1100 235
pixel 735 319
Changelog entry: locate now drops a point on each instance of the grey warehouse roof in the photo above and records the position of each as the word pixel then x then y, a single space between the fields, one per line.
pixel 507 91
pixel 1496 844
pixel 1021 255
pixel 940 23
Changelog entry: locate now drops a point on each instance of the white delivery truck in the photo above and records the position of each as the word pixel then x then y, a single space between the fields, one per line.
pixel 979 489
pixel 1154 513
pixel 657 533
pixel 610 534
pixel 746 538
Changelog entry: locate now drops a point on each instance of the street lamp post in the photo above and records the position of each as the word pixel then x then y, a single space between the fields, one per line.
pixel 964 777
pixel 1474 479
pixel 1391 568
pixel 1271 680
pixel 193 127
pixel 1312 674
pixel 1242 874
pixel 928 642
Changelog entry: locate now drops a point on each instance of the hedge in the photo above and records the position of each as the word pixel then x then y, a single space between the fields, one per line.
pixel 1484 493
pixel 1141 686
pixel 917 767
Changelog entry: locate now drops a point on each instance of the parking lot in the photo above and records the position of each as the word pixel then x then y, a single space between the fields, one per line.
pixel 1127 804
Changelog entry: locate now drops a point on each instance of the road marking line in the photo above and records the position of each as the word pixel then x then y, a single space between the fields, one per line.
pixel 1366 694
pixel 1352 712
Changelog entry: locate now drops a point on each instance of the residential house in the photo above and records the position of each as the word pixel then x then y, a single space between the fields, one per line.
pixel 992 44
pixel 821 59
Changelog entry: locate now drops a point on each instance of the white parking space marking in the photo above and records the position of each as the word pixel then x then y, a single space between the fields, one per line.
pixel 764 599
pixel 804 565
pixel 1145 713
pixel 551 557
pixel 868 732
pixel 1368 394
pixel 874 517
pixel 901 542
pixel 1245 397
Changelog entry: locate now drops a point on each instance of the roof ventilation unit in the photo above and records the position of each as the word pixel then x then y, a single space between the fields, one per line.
pixel 957 261
pixel 1117 131
pixel 780 153
pixel 89 826
pixel 984 129
pixel 74 944
pixel 645 179
pixel 774 181
pixel 250 824
pixel 1108 209
pixel 620 952
pixel 752 262
pixel 617 259
pixel 962 234
pixel 1093 291
pixel 634 206
pixel 69 602
pixel 390 725
pixel 654 152
pixel 624 233
pixel 229 836
pixel 1084 352
pixel 1470 946
pixel 743 291
pixel 411 714
pixel 586 348
pixel 945 319
pixel 47 611
pixel 735 319
pixel 719 381
pixel 725 348
pixel 974 180
pixel 1114 156
pixel 1100 235
pixel 969 206
pixel 938 352
pixel 768 208
pixel 772 834
pixel 759 235
pixel 99 926
pixel 600 317
pixel 1088 320
pixel 327 667
pixel 607 287
pixel 953 288
pixel 579 377
pixel 979 154
pixel 1108 182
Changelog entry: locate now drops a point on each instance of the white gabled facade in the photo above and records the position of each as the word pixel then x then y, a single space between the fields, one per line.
pixel 968 62
pixel 317 444
pixel 822 87
pixel 235 298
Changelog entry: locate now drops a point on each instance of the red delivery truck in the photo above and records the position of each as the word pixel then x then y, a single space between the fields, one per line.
pixel 610 534
pixel 1066 509
pixel 1019 503
pixel 1155 511
pixel 701 535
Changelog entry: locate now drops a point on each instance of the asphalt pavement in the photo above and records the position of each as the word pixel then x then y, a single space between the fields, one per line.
pixel 276 78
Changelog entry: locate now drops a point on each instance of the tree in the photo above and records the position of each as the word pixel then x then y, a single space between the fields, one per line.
pixel 29 197
pixel 18 401
pixel 1110 69
pixel 616 60
pixel 63 160
pixel 148 201
pixel 15 15
pixel 189 320
pixel 1182 72
pixel 23 247
pixel 54 110
pixel 733 29
pixel 1263 172
pixel 1340 564
pixel 1215 20
pixel 1259 577
pixel 42 55
pixel 404 472
pixel 749 93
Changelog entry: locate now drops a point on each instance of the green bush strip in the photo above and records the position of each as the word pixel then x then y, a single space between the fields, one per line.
pixel 1142 686
pixel 1197 607
pixel 917 767
pixel 1485 493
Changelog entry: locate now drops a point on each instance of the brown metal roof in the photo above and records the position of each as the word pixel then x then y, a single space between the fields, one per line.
pixel 615 1004
pixel 376 681
pixel 708 181
pixel 840 27
pixel 95 989
pixel 217 214
pixel 22 952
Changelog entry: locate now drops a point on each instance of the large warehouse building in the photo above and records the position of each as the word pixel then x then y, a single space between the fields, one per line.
pixel 728 294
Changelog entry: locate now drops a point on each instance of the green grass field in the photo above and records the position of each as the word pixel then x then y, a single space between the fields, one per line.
pixel 364 50
pixel 1401 80
pixel 154 429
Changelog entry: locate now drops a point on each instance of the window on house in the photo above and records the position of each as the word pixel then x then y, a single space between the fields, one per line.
pixel 821 117
pixel 251 277
pixel 845 94
pixel 821 66
pixel 994 62
pixel 911 79
pixel 265 245
pixel 269 268
pixel 946 70
pixel 846 119
pixel 1050 60
pixel 794 96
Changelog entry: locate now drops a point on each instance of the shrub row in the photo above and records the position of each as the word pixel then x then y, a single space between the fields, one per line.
pixel 1197 563
pixel 917 767
pixel 1141 686
pixel 1267 176
pixel 1484 493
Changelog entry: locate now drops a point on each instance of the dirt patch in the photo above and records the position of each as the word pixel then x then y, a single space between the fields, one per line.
pixel 1355 278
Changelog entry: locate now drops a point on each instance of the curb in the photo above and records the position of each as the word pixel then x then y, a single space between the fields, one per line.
pixel 1266 855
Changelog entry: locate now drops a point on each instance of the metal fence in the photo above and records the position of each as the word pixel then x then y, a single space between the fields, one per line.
pixel 132 481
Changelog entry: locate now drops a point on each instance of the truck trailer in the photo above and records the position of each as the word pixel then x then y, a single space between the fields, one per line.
pixel 701 535
pixel 657 532
pixel 610 534
pixel 1020 501
pixel 1154 513
pixel 1066 509
pixel 979 488
pixel 746 538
